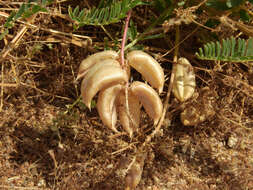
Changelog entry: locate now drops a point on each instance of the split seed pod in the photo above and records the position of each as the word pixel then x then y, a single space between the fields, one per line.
pixel 93 59
pixel 131 124
pixel 104 77
pixel 201 109
pixel 184 82
pixel 106 106
pixel 149 68
pixel 149 99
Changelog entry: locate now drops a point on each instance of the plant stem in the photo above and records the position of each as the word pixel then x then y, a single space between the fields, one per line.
pixel 166 102
pixel 165 13
pixel 176 42
pixel 122 61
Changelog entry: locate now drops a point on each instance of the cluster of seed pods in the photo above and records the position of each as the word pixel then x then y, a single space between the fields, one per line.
pixel 102 73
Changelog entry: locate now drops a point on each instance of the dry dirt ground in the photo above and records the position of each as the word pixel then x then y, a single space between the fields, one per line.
pixel 49 142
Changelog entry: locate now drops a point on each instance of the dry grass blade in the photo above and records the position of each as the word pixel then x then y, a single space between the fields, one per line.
pixel 15 40
pixel 247 29
pixel 2 89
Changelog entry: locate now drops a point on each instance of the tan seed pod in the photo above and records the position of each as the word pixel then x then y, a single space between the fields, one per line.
pixel 106 106
pixel 104 77
pixel 134 174
pixel 149 68
pixel 93 59
pixel 130 125
pixel 92 70
pixel 184 82
pixel 149 99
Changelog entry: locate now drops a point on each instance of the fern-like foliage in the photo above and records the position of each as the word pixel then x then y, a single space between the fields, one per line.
pixel 111 13
pixel 25 11
pixel 230 49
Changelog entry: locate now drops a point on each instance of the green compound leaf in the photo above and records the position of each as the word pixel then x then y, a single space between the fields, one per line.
pixel 229 49
pixel 107 13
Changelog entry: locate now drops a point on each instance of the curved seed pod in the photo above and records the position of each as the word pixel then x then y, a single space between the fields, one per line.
pixel 149 99
pixel 184 83
pixel 93 59
pixel 96 66
pixel 106 106
pixel 150 69
pixel 104 77
pixel 92 70
pixel 130 125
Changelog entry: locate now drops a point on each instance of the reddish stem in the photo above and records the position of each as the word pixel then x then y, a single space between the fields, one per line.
pixel 122 62
pixel 124 39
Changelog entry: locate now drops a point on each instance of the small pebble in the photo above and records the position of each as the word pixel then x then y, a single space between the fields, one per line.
pixel 232 141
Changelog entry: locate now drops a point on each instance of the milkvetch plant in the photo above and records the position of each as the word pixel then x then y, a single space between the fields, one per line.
pixel 101 72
